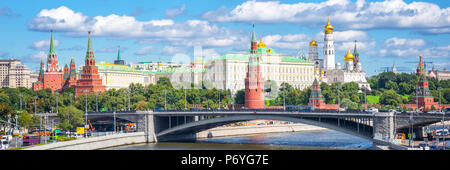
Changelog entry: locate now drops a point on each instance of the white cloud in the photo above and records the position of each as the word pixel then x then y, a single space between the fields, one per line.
pixel 401 42
pixel 43 44
pixel 110 49
pixel 172 50
pixel 144 50
pixel 420 16
pixel 172 13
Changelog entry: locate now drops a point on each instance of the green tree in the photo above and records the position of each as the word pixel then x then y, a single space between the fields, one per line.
pixel 70 118
pixel 391 98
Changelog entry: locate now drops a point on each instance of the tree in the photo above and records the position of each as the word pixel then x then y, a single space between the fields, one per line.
pixel 70 118
pixel 391 85
pixel 240 97
pixel 142 105
pixel 391 98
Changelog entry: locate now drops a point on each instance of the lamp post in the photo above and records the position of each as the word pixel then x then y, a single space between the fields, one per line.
pixel 284 97
pixel 17 129
pixel 129 103
pixel 9 123
pixel 96 102
pixel 45 128
pixel 114 113
pixel 443 115
pixel 35 97
pixel 56 94
pixel 125 100
pixel 40 125
pixel 85 112
pixel 339 97
pixel 71 95
pixel 218 90
pixel 185 101
pixel 20 95
pixel 165 99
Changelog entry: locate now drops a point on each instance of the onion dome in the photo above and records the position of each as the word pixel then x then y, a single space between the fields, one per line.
pixel 313 43
pixel 159 63
pixel 349 56
pixel 328 27
pixel 261 44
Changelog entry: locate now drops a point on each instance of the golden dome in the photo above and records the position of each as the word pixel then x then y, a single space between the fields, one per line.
pixel 313 43
pixel 261 44
pixel 159 63
pixel 349 56
pixel 321 73
pixel 328 27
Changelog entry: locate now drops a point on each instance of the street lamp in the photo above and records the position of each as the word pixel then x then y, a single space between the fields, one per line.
pixel 218 90
pixel 85 111
pixel 35 97
pixel 56 93
pixel 17 128
pixel 114 113
pixel 339 97
pixel 71 95
pixel 45 128
pixel 96 102
pixel 125 100
pixel 20 95
pixel 443 114
pixel 185 101
pixel 165 99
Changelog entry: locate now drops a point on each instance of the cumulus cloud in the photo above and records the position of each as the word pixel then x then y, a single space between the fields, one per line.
pixel 412 47
pixel 185 33
pixel 144 51
pixel 43 44
pixel 420 16
pixel 401 42
pixel 172 50
pixel 172 13
pixel 110 49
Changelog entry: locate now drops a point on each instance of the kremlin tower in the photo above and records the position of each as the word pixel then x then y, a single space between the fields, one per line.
pixel 52 77
pixel 254 83
pixel 423 100
pixel 89 79
pixel 316 99
pixel 71 76
pixel 328 47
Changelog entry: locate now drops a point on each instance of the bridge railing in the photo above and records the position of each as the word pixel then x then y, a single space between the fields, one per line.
pixel 263 110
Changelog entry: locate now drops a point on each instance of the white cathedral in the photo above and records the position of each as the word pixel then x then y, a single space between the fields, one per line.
pixel 326 69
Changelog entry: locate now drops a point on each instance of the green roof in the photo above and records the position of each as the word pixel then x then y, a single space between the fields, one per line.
pixel 52 47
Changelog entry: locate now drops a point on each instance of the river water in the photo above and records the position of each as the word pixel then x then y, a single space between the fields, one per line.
pixel 315 140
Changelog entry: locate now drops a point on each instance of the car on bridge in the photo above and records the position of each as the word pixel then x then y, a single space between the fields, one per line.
pixel 372 110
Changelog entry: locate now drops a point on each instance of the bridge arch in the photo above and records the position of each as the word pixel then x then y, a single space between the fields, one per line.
pixel 198 126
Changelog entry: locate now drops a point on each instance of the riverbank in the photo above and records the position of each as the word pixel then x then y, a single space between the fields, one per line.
pixel 256 129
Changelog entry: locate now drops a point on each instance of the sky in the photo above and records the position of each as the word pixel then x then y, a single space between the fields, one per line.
pixel 386 31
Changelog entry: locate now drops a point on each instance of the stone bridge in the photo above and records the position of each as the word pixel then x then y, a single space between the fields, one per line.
pixel 183 125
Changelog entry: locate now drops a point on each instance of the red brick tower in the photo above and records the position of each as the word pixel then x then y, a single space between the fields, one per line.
pixel 39 85
pixel 53 76
pixel 423 98
pixel 254 83
pixel 71 79
pixel 66 72
pixel 89 79
pixel 316 99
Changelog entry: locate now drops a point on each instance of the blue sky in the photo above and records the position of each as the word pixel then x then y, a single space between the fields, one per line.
pixel 387 31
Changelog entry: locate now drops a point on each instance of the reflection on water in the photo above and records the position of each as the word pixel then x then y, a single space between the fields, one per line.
pixel 316 140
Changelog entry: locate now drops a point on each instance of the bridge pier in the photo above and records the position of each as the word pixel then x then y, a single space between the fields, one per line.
pixel 383 126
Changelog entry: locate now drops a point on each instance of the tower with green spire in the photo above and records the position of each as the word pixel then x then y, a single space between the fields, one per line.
pixel 52 76
pixel 90 80
pixel 119 60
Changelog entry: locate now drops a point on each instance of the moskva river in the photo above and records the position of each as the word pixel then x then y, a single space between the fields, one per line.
pixel 316 140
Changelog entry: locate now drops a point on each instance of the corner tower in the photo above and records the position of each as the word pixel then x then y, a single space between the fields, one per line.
pixel 254 83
